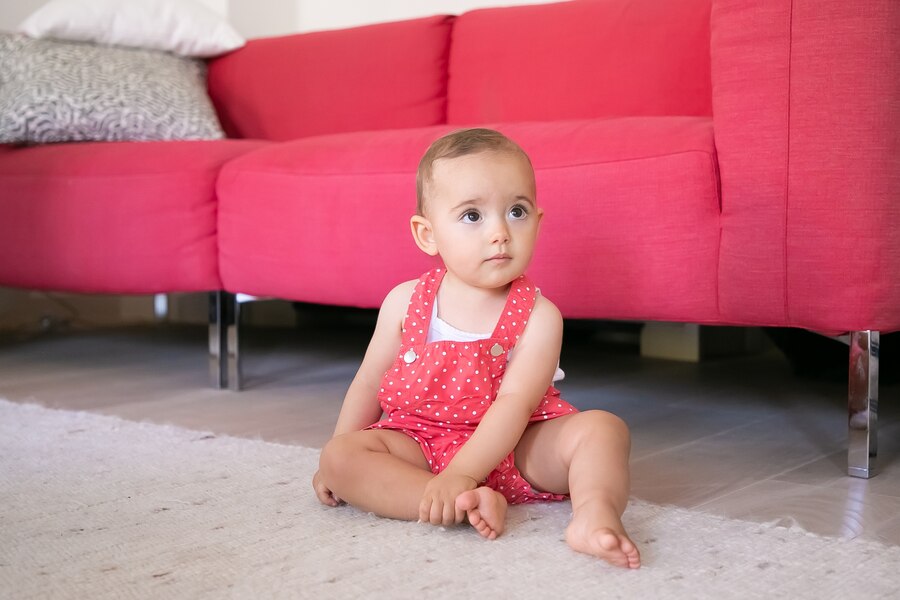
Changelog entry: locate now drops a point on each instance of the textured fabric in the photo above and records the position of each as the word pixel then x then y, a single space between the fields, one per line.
pixel 437 393
pixel 588 58
pixel 843 211
pixel 807 121
pixel 750 70
pixel 102 508
pixel 64 91
pixel 112 217
pixel 631 201
pixel 185 27
pixel 373 77
pixel 323 219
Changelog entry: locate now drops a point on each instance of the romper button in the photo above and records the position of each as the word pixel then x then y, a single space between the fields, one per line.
pixel 496 350
pixel 410 356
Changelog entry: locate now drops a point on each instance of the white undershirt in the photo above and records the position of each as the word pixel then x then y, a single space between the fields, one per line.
pixel 440 330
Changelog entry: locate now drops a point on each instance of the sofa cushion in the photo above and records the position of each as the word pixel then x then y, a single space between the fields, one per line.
pixel 54 91
pixel 184 27
pixel 372 77
pixel 323 219
pixel 581 59
pixel 112 217
pixel 631 214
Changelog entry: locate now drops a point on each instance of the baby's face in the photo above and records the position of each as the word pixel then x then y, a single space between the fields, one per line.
pixel 484 216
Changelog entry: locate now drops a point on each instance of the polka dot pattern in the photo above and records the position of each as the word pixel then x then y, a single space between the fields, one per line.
pixel 440 396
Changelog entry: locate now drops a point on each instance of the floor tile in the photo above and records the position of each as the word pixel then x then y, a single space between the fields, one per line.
pixel 846 508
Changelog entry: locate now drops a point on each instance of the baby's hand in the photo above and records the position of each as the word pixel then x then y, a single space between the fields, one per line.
pixel 438 505
pixel 325 495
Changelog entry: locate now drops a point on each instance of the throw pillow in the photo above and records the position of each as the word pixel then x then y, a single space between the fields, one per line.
pixel 73 91
pixel 184 27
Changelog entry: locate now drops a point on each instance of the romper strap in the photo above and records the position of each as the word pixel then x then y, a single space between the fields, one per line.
pixel 418 315
pixel 517 311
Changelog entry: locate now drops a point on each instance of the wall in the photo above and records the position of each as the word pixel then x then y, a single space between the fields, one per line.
pixel 259 18
pixel 316 15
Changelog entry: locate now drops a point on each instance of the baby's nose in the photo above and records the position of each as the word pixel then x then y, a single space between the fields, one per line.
pixel 500 233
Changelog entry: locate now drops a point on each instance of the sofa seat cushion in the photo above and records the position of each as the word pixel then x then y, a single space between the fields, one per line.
pixel 112 217
pixel 631 214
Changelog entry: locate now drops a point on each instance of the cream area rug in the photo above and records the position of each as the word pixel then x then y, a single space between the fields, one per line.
pixel 98 507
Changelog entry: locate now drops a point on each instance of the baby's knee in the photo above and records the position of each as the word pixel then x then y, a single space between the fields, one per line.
pixel 606 424
pixel 336 456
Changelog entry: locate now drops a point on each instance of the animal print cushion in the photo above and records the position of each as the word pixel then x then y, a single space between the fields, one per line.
pixel 52 91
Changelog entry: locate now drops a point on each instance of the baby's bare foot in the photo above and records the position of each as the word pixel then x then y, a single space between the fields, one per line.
pixel 486 510
pixel 600 533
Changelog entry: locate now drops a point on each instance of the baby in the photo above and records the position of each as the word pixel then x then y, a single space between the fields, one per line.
pixel 452 414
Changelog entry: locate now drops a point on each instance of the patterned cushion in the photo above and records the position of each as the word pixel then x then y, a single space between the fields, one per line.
pixel 53 91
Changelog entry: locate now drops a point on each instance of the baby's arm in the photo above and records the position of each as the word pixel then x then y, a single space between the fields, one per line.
pixel 361 408
pixel 524 384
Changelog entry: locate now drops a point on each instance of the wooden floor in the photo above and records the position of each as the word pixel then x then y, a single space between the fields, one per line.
pixel 740 437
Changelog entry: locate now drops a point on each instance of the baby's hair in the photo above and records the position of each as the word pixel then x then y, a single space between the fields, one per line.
pixel 456 144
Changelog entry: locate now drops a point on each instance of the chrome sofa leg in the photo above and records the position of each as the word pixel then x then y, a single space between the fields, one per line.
pixel 217 349
pixel 161 307
pixel 235 373
pixel 863 403
pixel 224 343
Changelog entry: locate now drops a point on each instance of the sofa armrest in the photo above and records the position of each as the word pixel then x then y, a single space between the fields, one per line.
pixel 806 109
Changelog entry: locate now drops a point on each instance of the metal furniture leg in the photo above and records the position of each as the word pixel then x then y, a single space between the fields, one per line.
pixel 224 339
pixel 161 307
pixel 863 403
pixel 217 374
pixel 235 373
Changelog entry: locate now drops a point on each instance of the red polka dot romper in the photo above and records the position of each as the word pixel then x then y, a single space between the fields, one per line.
pixel 438 392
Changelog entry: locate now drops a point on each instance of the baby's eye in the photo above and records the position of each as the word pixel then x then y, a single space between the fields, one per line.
pixel 518 212
pixel 471 216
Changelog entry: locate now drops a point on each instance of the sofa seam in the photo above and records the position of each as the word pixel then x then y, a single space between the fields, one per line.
pixel 220 176
pixel 167 174
pixel 452 20
pixel 787 171
pixel 717 192
pixel 394 172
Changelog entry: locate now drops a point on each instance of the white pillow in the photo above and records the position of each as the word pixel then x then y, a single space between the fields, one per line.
pixel 184 27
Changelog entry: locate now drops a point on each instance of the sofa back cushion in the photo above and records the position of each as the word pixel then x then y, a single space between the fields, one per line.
pixel 373 77
pixel 581 59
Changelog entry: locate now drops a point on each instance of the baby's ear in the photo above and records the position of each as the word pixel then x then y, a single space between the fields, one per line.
pixel 423 234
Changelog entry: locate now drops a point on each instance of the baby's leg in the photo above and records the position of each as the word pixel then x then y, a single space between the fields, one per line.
pixel 376 470
pixel 585 455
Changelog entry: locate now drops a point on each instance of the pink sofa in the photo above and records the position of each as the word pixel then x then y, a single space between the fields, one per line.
pixel 726 162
